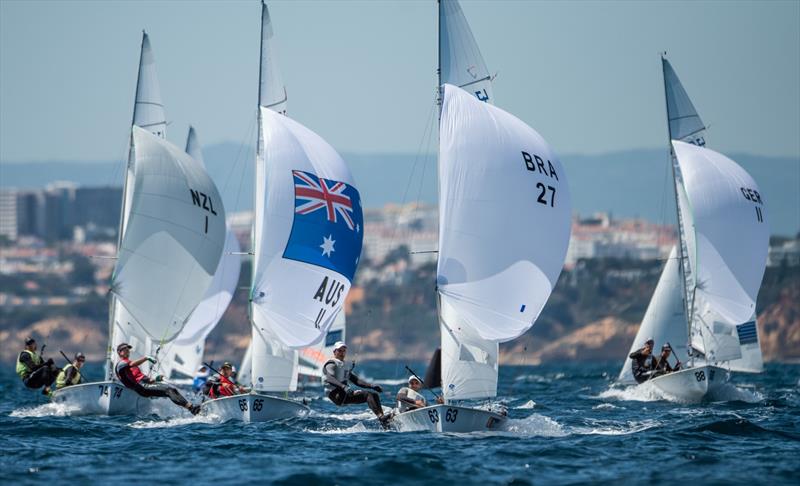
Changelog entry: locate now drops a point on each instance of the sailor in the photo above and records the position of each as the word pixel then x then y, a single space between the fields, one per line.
pixel 643 362
pixel 410 398
pixel 224 384
pixel 132 377
pixel 200 378
pixel 338 380
pixel 663 366
pixel 71 374
pixel 34 371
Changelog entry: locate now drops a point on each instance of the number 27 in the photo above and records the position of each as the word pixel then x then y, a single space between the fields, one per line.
pixel 542 196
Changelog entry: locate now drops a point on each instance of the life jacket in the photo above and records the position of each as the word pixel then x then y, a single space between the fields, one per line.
pixel 413 395
pixel 130 376
pixel 339 372
pixel 61 380
pixel 225 388
pixel 22 369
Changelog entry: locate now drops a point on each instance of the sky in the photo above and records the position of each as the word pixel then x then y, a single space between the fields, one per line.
pixel 362 74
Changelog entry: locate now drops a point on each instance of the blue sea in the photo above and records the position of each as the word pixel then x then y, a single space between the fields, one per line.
pixel 569 425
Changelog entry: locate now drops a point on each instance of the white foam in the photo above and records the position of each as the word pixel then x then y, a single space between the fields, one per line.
pixel 645 392
pixel 358 428
pixel 535 425
pixel 175 422
pixel 606 406
pixel 46 410
pixel 731 393
pixel 625 428
pixel 530 404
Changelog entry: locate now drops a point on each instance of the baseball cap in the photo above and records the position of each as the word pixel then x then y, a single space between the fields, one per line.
pixel 29 340
pixel 412 377
pixel 123 346
pixel 339 344
pixel 80 357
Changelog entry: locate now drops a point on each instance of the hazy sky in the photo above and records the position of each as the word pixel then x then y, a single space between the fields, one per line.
pixel 586 75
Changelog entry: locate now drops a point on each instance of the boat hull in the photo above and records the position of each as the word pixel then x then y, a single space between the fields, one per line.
pixel 102 398
pixel 448 418
pixel 253 407
pixel 692 384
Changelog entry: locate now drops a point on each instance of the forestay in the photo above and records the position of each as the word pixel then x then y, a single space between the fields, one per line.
pixel 505 220
pixel 460 58
pixel 730 239
pixel 308 233
pixel 271 92
pixel 174 239
pixel 665 318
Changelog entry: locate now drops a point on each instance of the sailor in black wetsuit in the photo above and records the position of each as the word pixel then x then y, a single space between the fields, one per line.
pixel 338 380
pixel 643 362
pixel 33 370
pixel 663 367
pixel 132 377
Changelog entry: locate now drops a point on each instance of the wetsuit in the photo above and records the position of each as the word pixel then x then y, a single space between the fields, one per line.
pixel 642 365
pixel 664 367
pixel 406 399
pixel 133 378
pixel 337 384
pixel 34 371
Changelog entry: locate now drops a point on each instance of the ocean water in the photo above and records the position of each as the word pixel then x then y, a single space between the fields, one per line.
pixel 569 425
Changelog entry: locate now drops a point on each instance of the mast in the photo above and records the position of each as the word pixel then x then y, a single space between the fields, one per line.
pixel 681 230
pixel 126 187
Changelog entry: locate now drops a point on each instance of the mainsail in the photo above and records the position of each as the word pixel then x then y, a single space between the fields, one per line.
pixel 460 59
pixel 173 241
pixel 495 172
pixel 728 248
pixel 271 91
pixel 185 353
pixel 683 121
pixel 148 113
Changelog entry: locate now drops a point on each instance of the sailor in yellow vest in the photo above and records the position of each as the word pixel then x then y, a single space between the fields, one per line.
pixel 33 370
pixel 71 374
pixel 410 398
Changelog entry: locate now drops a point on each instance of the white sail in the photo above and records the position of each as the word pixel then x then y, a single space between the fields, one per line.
pixel 312 358
pixel 308 233
pixel 665 318
pixel 193 147
pixel 460 58
pixel 185 353
pixel 684 122
pixel 244 375
pixel 496 173
pixel 731 239
pixel 273 365
pixel 271 92
pixel 174 239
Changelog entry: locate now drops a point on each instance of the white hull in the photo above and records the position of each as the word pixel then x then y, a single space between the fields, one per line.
pixel 253 407
pixel 448 418
pixel 102 398
pixel 692 384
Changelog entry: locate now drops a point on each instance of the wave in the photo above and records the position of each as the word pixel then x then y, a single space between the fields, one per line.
pixel 175 422
pixel 608 427
pixel 358 428
pixel 529 405
pixel 46 410
pixel 731 393
pixel 645 392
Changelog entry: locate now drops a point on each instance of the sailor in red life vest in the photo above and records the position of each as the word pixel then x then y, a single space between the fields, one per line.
pixel 132 377
pixel 224 385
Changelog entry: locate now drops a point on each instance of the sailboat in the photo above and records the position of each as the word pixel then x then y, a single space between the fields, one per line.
pixel 704 303
pixel 171 236
pixel 313 358
pixel 504 227
pixel 184 355
pixel 306 242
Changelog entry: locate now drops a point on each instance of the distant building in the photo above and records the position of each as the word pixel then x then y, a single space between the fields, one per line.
pixel 98 205
pixel 30 213
pixel 8 214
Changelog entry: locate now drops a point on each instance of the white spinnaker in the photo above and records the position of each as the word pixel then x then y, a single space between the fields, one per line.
pixel 460 58
pixel 731 233
pixel 272 92
pixel 174 239
pixel 665 318
pixel 684 122
pixel 504 223
pixel 185 354
pixel 312 358
pixel 283 289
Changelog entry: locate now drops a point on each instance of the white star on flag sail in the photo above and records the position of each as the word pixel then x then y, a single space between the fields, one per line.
pixel 327 245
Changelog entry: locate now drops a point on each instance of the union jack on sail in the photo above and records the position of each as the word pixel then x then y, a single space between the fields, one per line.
pixel 312 194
